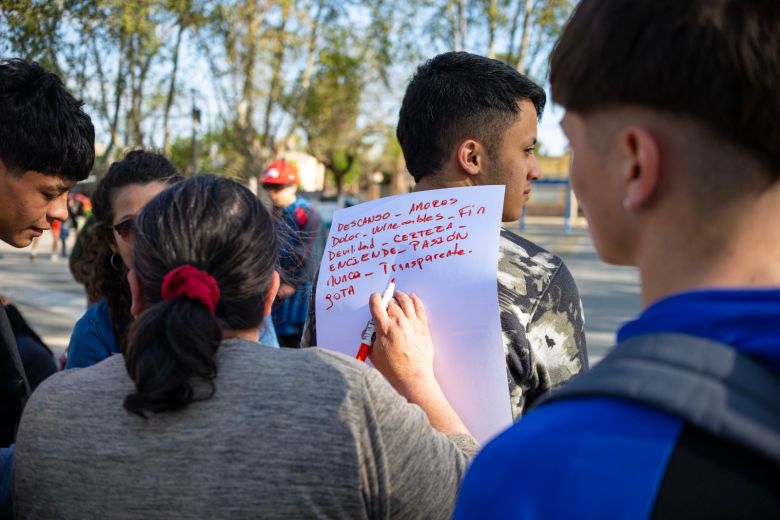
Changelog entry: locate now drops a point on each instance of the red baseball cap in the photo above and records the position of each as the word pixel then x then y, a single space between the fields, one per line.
pixel 280 172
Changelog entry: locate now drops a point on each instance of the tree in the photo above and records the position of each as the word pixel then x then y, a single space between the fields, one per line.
pixel 121 56
pixel 325 73
pixel 31 30
pixel 331 110
pixel 518 32
pixel 542 22
pixel 337 125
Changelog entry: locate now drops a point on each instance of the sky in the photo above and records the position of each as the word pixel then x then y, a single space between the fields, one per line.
pixel 549 133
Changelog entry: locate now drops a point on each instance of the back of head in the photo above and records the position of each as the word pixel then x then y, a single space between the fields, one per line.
pixel 42 127
pixel 214 225
pixel 716 62
pixel 137 167
pixel 455 96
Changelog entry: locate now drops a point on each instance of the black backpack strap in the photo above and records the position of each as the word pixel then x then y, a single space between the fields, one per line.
pixel 13 383
pixel 706 383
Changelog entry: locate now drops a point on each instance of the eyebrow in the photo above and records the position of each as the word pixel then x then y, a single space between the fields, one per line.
pixel 55 190
pixel 60 187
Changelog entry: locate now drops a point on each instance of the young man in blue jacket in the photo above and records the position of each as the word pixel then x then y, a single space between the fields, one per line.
pixel 673 114
pixel 302 237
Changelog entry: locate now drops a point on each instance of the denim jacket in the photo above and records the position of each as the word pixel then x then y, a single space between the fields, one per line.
pixel 93 338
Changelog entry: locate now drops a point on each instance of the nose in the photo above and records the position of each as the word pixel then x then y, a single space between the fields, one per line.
pixel 534 173
pixel 59 208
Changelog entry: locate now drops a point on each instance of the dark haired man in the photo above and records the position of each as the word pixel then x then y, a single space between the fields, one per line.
pixel 46 146
pixel 467 120
pixel 674 119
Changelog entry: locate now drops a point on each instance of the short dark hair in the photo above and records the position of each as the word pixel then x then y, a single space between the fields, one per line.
pixel 42 127
pixel 457 95
pixel 218 226
pixel 714 61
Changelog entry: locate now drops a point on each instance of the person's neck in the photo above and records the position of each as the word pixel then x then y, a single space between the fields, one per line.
pixel 442 180
pixel 739 251
pixel 247 334
pixel 286 203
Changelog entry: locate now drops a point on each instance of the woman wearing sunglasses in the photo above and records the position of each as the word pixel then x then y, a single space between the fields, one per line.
pixel 125 189
pixel 198 420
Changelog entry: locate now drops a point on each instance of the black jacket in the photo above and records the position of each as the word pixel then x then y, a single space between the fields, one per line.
pixel 13 383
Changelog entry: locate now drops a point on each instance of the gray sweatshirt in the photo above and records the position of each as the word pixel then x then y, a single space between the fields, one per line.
pixel 288 434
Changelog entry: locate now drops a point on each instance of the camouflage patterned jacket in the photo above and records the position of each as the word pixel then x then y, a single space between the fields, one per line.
pixel 541 320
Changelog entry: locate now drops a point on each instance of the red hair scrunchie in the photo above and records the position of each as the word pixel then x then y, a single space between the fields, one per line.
pixel 192 283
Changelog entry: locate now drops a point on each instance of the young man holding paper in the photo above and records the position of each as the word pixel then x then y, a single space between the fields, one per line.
pixel 467 120
pixel 673 114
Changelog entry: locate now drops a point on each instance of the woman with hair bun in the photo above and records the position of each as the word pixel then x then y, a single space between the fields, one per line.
pixel 125 189
pixel 198 419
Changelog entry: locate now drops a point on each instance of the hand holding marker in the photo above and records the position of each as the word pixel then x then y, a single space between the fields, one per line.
pixel 367 337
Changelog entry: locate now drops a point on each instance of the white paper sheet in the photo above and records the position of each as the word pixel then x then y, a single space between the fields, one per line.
pixel 443 246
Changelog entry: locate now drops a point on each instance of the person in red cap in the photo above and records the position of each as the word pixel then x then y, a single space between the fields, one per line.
pixel 302 232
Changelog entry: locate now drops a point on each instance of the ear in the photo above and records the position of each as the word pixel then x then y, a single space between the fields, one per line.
pixel 471 156
pixel 138 304
pixel 641 169
pixel 112 241
pixel 270 295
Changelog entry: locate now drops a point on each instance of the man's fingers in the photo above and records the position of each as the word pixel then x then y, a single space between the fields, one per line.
pixel 419 308
pixel 405 303
pixel 394 310
pixel 378 311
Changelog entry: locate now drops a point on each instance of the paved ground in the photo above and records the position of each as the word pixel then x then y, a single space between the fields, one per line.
pixel 610 294
pixel 44 291
pixel 52 301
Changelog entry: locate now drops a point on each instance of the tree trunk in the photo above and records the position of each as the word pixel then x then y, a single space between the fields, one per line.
pixel 308 70
pixel 462 22
pixel 245 126
pixel 111 115
pixel 131 72
pixel 492 16
pixel 452 18
pixel 525 36
pixel 513 29
pixel 276 83
pixel 171 90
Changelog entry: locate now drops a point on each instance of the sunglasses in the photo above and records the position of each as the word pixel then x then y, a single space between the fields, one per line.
pixel 125 228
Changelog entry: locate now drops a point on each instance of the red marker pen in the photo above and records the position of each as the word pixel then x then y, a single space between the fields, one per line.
pixel 367 337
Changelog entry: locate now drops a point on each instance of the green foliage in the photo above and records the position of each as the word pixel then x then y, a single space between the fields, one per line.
pixel 270 74
pixel 31 30
pixel 217 152
pixel 332 114
pixel 482 26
